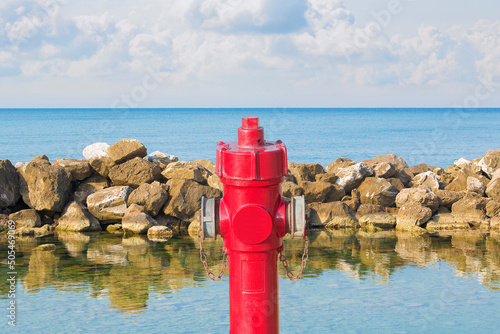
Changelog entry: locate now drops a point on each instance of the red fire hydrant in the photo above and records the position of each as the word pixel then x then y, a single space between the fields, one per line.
pixel 253 218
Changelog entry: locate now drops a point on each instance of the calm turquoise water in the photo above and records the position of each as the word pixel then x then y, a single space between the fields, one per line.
pixel 355 282
pixel 434 136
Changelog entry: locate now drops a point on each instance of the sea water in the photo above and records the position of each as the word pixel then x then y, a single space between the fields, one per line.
pixel 434 136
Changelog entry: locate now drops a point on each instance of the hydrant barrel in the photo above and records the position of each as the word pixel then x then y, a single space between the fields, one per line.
pixel 253 218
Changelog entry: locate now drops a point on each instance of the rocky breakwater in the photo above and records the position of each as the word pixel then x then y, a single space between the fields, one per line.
pixel 122 189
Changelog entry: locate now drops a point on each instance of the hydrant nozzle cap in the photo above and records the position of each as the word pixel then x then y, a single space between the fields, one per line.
pixel 250 134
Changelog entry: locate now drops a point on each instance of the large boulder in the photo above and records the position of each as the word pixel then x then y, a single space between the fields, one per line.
pixel 102 165
pixel 398 163
pixel 80 169
pixel 378 191
pixel 126 149
pixel 421 196
pixel 412 214
pixel 448 197
pixel 26 218
pixel 183 172
pixel 185 196
pixel 89 186
pixel 9 184
pixel 316 191
pixel 44 186
pixel 162 159
pixel 109 203
pixel 474 186
pixel 417 169
pixel 214 182
pixel 207 164
pixel 152 196
pixel 493 188
pixel 429 178
pixel 338 164
pixel 76 218
pixel 326 177
pixel 138 223
pixel 305 172
pixel 383 169
pixel 134 173
pixel 332 215
pixel 471 209
pixel 289 189
pixel 352 176
pixel 490 162
pixel 492 208
pixel 95 150
pixel 446 221
pixel 378 220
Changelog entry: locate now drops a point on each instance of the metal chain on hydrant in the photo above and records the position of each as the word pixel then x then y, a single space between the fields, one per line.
pixel 305 257
pixel 203 258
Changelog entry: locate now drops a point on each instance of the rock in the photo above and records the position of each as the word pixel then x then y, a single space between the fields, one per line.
pixel 9 184
pixel 446 221
pixel 134 172
pixel 152 196
pixel 41 159
pixel 183 173
pixel 475 186
pixel 159 233
pixel 109 203
pixel 354 200
pixel 379 220
pixel 398 163
pixel 126 149
pixel 490 162
pixel 378 191
pixel 448 197
pixel 138 223
pixel 207 164
pixel 185 196
pixel 305 172
pixel 102 165
pixel 351 177
pixel 459 182
pixel 396 183
pixel 316 191
pixel 421 195
pixel 76 218
pixel 492 208
pixel 114 228
pixel 26 218
pixel 135 209
pixel 162 159
pixel 493 188
pixel 429 178
pixel 44 187
pixel 290 189
pixel 384 170
pixel 470 209
pixel 338 164
pixel 214 182
pixel 366 209
pixel 79 169
pixel 336 194
pixel 495 223
pixel 96 150
pixel 420 168
pixel 332 215
pixel 404 176
pixel 45 248
pixel 326 177
pixel 89 186
pixel 412 214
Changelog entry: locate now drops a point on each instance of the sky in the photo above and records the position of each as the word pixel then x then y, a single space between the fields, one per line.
pixel 249 53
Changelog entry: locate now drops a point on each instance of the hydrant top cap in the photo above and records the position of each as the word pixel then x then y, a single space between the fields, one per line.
pixel 250 123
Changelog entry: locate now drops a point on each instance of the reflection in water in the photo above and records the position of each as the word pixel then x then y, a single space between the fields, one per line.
pixel 126 270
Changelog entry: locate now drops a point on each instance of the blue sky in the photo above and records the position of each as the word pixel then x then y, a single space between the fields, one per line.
pixel 249 53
